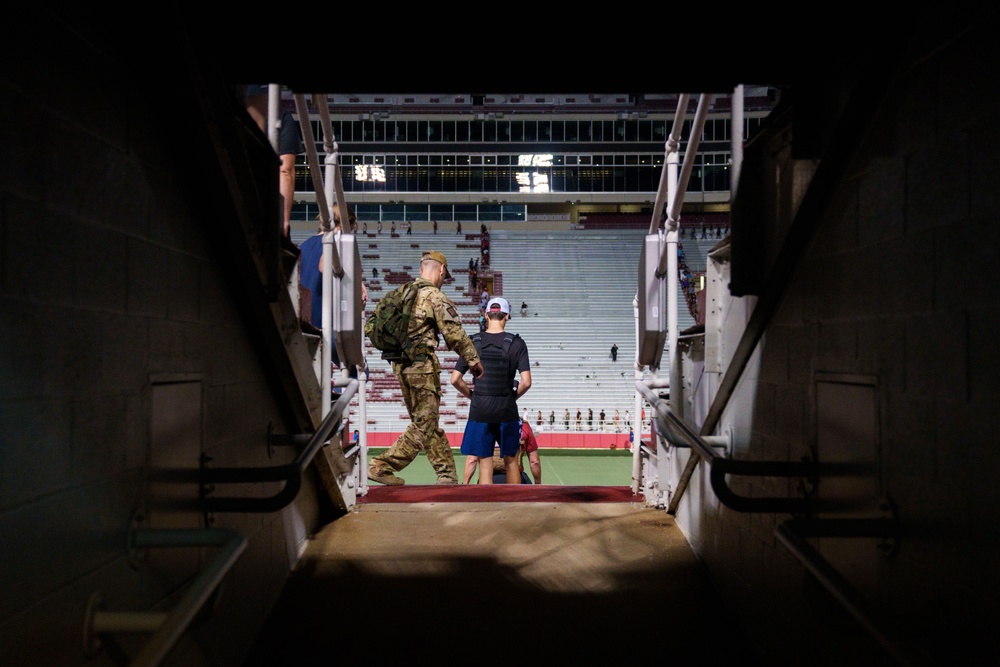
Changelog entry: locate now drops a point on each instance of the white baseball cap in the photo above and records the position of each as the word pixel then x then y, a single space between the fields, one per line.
pixel 498 302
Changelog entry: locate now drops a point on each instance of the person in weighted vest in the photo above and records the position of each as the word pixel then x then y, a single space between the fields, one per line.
pixel 493 414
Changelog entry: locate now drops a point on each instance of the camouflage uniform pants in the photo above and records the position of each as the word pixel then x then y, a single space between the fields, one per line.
pixel 422 397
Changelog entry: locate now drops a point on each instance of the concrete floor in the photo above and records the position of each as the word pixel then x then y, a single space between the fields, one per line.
pixel 500 582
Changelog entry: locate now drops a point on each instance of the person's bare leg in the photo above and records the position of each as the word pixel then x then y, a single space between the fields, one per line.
pixel 513 471
pixel 535 463
pixel 286 186
pixel 486 470
pixel 470 468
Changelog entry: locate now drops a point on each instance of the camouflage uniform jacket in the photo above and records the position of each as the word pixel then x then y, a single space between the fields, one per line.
pixel 435 313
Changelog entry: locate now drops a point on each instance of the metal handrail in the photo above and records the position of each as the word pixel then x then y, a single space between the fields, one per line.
pixel 166 628
pixel 290 473
pixel 673 428
pixel 792 534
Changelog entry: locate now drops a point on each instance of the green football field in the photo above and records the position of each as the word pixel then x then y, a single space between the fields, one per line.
pixel 566 467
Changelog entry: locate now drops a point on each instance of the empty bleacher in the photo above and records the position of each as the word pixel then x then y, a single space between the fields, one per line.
pixel 579 286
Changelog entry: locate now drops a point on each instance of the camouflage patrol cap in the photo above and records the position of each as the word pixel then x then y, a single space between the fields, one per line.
pixel 438 257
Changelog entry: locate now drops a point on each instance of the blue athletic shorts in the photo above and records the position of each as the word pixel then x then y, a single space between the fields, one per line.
pixel 480 437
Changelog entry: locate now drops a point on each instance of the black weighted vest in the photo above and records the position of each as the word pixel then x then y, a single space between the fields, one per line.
pixel 498 378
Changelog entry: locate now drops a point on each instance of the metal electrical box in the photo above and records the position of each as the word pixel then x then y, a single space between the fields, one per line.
pixel 348 310
pixel 652 297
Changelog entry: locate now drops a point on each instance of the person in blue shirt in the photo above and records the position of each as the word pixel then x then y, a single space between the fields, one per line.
pixel 311 277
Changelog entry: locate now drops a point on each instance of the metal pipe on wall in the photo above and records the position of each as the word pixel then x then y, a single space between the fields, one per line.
pixel 672 428
pixel 291 474
pixel 790 534
pixel 167 628
pixel 636 404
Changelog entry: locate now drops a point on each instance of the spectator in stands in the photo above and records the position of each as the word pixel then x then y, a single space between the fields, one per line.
pixel 614 352
pixel 590 419
pixel 524 309
pixel 409 229
pixel 434 315
pixel 566 419
pixel 493 402
pixel 378 227
pixel 628 420
pixel 364 227
pixel 392 228
pixel 472 264
pixel 435 226
pixel 618 421
pixel 458 227
pixel 538 419
pixel 579 420
pixel 289 145
pixel 600 420
pixel 374 272
pixel 552 420
pixel 483 298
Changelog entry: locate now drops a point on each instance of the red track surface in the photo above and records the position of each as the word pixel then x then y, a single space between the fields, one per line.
pixel 492 493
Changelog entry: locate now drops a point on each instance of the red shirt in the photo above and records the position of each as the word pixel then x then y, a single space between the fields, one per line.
pixel 528 442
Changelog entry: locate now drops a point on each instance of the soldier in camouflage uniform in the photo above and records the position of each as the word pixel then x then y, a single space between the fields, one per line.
pixel 420 380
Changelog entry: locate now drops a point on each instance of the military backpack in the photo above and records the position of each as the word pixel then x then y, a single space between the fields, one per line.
pixel 387 326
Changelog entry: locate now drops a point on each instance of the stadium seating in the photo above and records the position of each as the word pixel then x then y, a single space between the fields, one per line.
pixel 579 286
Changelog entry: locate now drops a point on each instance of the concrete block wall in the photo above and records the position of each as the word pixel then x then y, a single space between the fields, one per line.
pixel 123 356
pixel 894 300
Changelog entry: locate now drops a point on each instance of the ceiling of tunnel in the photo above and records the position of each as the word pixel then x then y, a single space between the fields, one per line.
pixel 363 48
pixel 687 50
